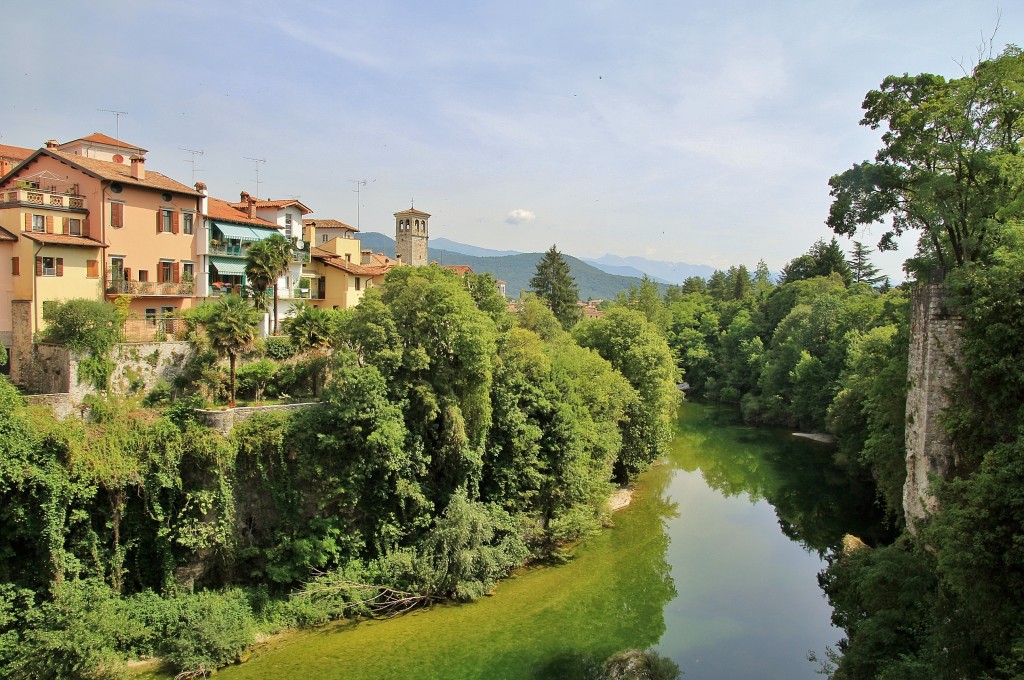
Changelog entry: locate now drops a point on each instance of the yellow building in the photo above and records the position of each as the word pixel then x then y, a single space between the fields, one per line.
pixel 47 248
pixel 342 272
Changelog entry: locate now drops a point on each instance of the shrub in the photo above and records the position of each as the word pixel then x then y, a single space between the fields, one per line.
pixel 210 629
pixel 279 347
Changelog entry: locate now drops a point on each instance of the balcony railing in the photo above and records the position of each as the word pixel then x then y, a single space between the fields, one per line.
pixel 217 290
pixel 227 249
pixel 151 288
pixel 44 198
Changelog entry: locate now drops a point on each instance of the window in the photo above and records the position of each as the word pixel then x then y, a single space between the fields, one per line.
pixel 189 226
pixel 288 225
pixel 151 315
pixel 166 221
pixel 188 269
pixel 117 271
pixel 359 283
pixel 49 266
pixel 38 223
pixel 15 266
pixel 323 238
pixel 165 271
pixel 143 275
pixel 92 269
pixel 73 226
pixel 116 215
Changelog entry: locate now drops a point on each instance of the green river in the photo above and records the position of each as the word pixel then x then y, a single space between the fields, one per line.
pixel 714 564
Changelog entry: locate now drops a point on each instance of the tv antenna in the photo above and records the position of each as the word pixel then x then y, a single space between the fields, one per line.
pixel 192 160
pixel 117 125
pixel 257 162
pixel 360 183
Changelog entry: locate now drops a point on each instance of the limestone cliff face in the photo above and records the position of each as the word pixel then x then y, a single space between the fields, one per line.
pixel 935 340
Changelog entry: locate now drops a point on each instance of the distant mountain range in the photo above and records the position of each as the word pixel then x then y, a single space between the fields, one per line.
pixel 598 279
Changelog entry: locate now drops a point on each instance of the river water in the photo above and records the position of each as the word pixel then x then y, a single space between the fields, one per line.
pixel 714 564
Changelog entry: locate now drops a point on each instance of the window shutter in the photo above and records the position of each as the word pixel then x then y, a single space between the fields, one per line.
pixel 117 214
pixel 92 268
pixel 15 266
pixel 322 287
pixel 176 272
pixel 28 222
pixel 127 274
pixel 49 224
pixel 174 223
pixel 159 220
pixel 60 266
pixel 39 266
pixel 86 231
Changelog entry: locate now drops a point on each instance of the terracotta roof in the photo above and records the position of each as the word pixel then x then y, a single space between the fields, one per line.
pixel 380 264
pixel 100 138
pixel 284 203
pixel 412 211
pixel 218 209
pixel 117 172
pixel 6 235
pixel 460 269
pixel 63 240
pixel 328 224
pixel 16 153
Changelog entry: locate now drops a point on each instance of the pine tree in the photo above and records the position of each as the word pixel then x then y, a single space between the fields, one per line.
pixel 553 282
pixel 860 265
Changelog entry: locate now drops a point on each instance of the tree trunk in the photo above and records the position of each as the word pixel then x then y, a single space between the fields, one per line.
pixel 275 307
pixel 231 362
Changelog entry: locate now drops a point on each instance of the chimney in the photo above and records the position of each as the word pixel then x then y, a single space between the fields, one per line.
pixel 51 143
pixel 5 167
pixel 138 167
pixel 204 201
pixel 250 208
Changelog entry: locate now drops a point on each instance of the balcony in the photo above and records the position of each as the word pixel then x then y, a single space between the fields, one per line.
pixel 149 288
pixel 44 198
pixel 229 249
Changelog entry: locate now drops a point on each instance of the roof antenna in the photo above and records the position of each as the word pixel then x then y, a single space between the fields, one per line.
pixel 117 126
pixel 359 184
pixel 194 153
pixel 257 161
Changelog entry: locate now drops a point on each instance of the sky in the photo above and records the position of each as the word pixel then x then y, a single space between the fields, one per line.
pixel 682 131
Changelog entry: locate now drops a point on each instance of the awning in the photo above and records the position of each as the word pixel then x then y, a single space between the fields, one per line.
pixel 238 231
pixel 227 265
pixel 263 232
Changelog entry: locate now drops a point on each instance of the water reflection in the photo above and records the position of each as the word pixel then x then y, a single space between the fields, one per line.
pixel 816 502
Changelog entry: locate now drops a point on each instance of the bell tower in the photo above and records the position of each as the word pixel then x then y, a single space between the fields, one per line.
pixel 411 237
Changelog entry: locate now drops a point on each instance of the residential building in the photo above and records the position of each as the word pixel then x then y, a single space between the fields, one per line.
pixel 327 230
pixel 144 220
pixel 340 270
pixel 223 245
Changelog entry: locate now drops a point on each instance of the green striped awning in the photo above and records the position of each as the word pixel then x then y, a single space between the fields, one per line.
pixel 227 265
pixel 238 231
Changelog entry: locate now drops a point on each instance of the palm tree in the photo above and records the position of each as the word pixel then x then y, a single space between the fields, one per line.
pixel 266 263
pixel 311 331
pixel 231 328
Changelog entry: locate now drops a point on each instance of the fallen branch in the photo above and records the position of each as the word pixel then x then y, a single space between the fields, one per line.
pixel 380 601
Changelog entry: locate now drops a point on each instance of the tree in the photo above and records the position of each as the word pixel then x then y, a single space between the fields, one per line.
pixel 267 261
pixel 553 282
pixel 822 259
pixel 860 265
pixel 231 327
pixel 949 164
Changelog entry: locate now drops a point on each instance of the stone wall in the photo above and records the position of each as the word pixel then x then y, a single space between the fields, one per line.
pixel 62 404
pixel 935 340
pixel 225 420
pixel 141 364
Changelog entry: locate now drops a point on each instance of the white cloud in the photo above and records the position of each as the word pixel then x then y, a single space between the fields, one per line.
pixel 519 216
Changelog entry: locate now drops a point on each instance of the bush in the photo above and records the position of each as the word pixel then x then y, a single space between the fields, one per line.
pixel 210 629
pixel 254 377
pixel 279 347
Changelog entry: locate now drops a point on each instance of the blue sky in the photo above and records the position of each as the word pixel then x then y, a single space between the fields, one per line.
pixel 675 130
